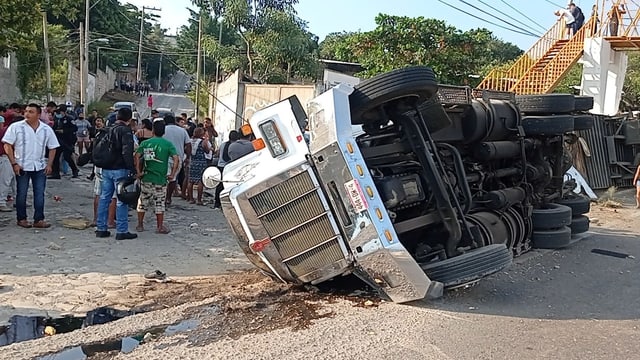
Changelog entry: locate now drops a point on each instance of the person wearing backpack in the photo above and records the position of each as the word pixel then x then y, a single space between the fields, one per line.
pixel 223 159
pixel 113 152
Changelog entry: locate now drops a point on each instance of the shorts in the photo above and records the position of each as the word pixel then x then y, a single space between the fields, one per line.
pixel 152 194
pixel 97 183
pixel 83 139
pixel 171 167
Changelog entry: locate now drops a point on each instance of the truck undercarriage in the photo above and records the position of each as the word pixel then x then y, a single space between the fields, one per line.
pixel 435 188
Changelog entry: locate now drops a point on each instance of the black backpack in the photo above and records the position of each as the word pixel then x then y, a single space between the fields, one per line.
pixel 104 152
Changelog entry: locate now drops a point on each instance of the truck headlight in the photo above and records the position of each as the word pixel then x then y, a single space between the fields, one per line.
pixel 274 141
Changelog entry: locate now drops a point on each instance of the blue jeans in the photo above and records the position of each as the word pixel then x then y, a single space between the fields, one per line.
pixel 38 181
pixel 109 180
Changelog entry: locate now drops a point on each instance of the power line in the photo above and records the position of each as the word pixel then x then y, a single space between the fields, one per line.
pixel 495 17
pixel 528 27
pixel 487 21
pixel 525 16
pixel 556 5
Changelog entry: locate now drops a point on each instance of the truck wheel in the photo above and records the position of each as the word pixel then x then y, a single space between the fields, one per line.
pixel 579 224
pixel 546 104
pixel 419 82
pixel 579 204
pixel 583 103
pixel 549 125
pixel 551 239
pixel 583 122
pixel 469 267
pixel 551 216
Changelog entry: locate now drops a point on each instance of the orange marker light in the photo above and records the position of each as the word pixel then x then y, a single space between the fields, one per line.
pixel 350 148
pixel 388 235
pixel 370 191
pixel 246 129
pixel 360 171
pixel 258 144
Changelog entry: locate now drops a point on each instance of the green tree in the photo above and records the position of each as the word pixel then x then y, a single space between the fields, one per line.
pixel 400 41
pixel 21 18
pixel 32 71
pixel 631 89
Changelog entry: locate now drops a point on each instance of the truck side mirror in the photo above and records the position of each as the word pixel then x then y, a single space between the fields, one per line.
pixel 211 177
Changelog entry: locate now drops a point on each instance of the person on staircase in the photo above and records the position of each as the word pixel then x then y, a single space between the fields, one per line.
pixel 577 15
pixel 568 21
pixel 615 17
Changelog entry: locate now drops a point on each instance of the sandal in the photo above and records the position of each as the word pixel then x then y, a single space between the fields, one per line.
pixel 25 224
pixel 200 203
pixel 162 230
pixel 192 201
pixel 139 228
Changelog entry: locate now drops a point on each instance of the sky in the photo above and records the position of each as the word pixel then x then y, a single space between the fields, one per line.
pixel 326 16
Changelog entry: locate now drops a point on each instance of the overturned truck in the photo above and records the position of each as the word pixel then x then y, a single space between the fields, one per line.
pixel 410 185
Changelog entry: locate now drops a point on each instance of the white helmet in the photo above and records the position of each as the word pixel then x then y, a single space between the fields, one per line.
pixel 69 103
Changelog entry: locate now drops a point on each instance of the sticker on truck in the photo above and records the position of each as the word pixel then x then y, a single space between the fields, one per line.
pixel 356 195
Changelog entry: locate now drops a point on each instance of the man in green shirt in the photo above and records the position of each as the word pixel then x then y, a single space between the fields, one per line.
pixel 152 162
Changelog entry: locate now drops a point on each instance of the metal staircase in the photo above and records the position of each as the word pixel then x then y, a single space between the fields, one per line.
pixel 541 68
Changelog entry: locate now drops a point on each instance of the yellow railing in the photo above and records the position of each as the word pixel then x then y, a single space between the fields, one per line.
pixel 544 80
pixel 503 80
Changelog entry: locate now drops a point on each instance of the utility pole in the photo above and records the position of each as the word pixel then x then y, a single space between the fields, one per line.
pixel 82 84
pixel 198 64
pixel 46 54
pixel 139 70
pixel 85 69
pixel 215 91
pixel 160 73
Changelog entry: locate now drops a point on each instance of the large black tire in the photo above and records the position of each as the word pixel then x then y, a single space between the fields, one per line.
pixel 579 224
pixel 551 239
pixel 419 82
pixel 470 266
pixel 551 216
pixel 546 104
pixel 550 125
pixel 583 103
pixel 579 204
pixel 583 122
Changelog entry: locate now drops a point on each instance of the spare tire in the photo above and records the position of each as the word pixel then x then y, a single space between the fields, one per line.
pixel 549 125
pixel 419 82
pixel 551 216
pixel 583 103
pixel 546 104
pixel 470 266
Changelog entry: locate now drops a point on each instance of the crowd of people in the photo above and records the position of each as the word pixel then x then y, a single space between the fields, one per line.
pixel 167 156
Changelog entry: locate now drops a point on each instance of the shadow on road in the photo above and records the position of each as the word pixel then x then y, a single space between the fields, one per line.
pixel 571 283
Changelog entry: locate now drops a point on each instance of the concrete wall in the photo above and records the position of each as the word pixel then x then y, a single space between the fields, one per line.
pixel 603 74
pixel 9 79
pixel 97 85
pixel 225 108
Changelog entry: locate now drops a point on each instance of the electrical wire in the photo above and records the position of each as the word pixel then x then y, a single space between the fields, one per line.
pixel 487 21
pixel 556 5
pixel 525 16
pixel 497 18
pixel 528 27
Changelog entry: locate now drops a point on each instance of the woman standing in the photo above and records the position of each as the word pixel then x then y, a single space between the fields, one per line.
pixel 82 134
pixel 199 147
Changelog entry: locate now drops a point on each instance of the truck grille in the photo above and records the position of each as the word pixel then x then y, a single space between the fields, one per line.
pixel 299 225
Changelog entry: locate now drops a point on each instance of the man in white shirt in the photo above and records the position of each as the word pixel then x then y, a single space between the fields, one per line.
pixel 569 21
pixel 182 142
pixel 26 142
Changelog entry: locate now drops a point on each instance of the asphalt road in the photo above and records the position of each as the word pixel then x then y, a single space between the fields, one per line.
pixel 176 101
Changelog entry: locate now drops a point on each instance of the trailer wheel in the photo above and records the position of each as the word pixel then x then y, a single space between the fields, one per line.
pixel 579 224
pixel 583 103
pixel 582 122
pixel 579 204
pixel 469 267
pixel 551 239
pixel 551 216
pixel 546 104
pixel 418 82
pixel 549 125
